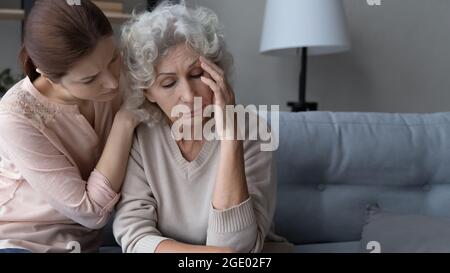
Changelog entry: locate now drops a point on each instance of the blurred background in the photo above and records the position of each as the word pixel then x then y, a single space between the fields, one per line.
pixel 399 59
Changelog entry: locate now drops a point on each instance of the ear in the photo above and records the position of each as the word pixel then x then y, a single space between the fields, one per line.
pixel 148 95
pixel 43 75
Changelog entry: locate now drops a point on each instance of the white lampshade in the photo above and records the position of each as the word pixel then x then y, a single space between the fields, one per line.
pixel 292 24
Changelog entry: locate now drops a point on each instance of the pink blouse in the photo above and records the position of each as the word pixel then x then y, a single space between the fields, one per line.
pixel 51 197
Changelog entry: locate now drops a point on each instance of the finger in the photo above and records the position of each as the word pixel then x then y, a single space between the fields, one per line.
pixel 219 77
pixel 214 74
pixel 214 87
pixel 226 94
pixel 211 64
pixel 212 84
pixel 220 83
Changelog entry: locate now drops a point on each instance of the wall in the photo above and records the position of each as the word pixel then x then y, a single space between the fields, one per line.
pixel 399 60
pixel 10 31
pixel 11 38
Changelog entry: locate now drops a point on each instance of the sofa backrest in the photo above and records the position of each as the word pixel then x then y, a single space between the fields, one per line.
pixel 333 167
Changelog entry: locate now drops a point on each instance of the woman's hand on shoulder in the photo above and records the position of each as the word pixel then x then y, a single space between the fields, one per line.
pixel 131 118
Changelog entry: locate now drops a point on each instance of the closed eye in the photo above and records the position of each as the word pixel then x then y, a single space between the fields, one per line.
pixel 169 85
pixel 89 81
pixel 194 76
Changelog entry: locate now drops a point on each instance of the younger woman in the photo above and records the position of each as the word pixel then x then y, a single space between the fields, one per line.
pixel 64 143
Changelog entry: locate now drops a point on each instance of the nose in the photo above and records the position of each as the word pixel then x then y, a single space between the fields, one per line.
pixel 110 81
pixel 187 92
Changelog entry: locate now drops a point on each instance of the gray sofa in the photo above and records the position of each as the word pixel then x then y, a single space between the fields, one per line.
pixel 334 167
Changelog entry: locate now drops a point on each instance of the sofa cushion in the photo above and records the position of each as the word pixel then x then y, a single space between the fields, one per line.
pixel 332 166
pixel 406 233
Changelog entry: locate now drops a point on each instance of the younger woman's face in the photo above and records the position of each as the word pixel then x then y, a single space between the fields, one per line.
pixel 96 76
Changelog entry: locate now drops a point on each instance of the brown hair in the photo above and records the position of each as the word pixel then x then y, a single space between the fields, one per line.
pixel 57 35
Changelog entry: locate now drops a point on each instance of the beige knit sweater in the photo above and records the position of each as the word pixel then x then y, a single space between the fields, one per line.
pixel 166 197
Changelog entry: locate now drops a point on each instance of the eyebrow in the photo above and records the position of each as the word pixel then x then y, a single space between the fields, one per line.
pixel 173 73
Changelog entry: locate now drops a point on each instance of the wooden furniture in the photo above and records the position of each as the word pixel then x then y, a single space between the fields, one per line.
pixel 12 14
pixel 111 10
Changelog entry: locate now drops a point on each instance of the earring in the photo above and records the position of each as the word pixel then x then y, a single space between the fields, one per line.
pixel 38 71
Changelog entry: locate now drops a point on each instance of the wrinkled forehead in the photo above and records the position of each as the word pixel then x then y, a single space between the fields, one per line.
pixel 177 57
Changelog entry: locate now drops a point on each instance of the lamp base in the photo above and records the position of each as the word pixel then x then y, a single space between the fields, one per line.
pixel 302 107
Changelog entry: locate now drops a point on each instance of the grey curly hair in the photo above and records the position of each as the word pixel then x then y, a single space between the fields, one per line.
pixel 149 35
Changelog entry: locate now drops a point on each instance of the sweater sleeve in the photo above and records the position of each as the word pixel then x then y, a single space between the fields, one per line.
pixel 244 227
pixel 135 223
pixel 54 177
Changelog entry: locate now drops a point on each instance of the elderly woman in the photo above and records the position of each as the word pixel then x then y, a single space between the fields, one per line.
pixel 189 195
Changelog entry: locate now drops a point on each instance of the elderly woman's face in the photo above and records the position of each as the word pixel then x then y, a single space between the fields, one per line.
pixel 178 81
